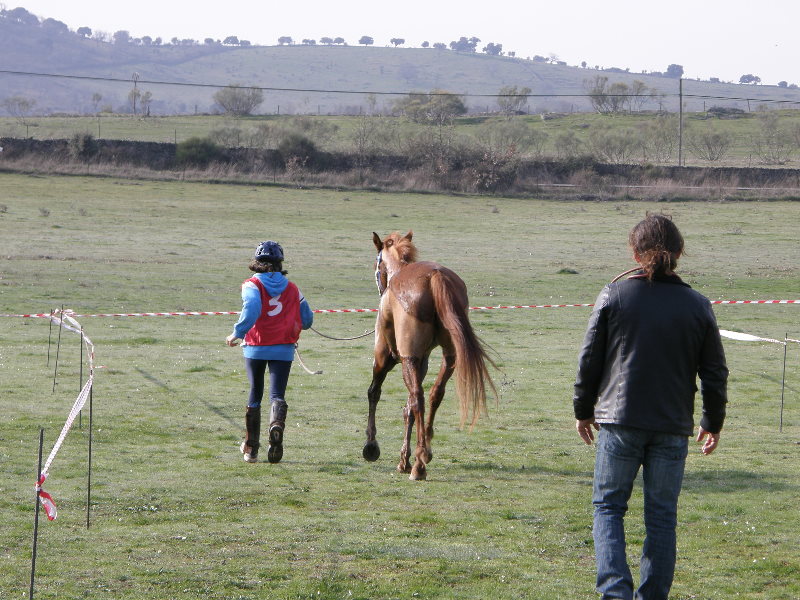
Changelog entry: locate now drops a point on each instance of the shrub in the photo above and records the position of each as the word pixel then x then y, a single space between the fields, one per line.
pixel 227 136
pixel 296 146
pixel 82 146
pixel 709 144
pixel 197 152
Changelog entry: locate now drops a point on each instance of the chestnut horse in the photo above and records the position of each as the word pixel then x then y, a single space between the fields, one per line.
pixel 423 305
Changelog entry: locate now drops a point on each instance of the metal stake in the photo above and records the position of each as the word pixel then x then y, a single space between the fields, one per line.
pixel 36 517
pixel 89 480
pixel 58 347
pixel 783 379
pixel 80 379
pixel 49 337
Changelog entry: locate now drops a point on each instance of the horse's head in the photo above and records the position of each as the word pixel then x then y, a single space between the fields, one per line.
pixel 394 252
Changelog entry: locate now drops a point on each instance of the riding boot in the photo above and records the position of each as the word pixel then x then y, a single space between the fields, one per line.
pixel 277 422
pixel 252 421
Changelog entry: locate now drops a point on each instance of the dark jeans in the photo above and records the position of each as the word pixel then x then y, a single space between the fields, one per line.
pixel 278 378
pixel 662 456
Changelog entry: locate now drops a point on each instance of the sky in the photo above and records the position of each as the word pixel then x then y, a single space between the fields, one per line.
pixel 709 38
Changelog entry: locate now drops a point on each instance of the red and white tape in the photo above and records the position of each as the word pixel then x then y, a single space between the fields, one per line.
pixel 353 310
pixel 65 319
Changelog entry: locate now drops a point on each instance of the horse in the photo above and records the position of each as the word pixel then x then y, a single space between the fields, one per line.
pixel 423 305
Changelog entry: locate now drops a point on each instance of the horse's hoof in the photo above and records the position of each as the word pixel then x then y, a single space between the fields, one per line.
pixel 371 451
pixel 418 475
pixel 404 468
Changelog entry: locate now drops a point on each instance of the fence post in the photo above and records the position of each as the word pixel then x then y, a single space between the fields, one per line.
pixel 680 122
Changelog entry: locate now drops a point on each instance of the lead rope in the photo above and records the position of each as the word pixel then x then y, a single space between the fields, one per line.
pixel 300 359
pixel 302 364
pixel 345 339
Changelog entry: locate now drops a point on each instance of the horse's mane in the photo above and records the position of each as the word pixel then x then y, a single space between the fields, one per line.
pixel 404 248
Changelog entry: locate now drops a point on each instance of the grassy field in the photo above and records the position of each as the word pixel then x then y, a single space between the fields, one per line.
pixel 506 510
pixel 744 132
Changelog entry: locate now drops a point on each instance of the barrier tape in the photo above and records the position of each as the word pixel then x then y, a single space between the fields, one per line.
pixel 746 337
pixel 66 320
pixel 356 310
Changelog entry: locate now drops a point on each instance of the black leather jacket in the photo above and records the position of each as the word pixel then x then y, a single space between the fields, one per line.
pixel 645 346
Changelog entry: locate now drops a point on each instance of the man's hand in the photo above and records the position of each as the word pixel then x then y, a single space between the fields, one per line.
pixel 710 440
pixel 584 427
pixel 231 340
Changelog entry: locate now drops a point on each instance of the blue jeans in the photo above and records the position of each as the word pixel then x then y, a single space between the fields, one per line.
pixel 278 379
pixel 620 452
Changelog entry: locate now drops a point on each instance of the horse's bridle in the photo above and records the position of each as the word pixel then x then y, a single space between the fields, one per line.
pixel 378 273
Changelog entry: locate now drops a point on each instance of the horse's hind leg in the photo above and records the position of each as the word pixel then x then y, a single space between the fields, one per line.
pixel 414 369
pixel 408 418
pixel 384 362
pixel 405 451
pixel 436 395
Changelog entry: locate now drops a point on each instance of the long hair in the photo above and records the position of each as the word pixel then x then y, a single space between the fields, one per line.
pixel 263 266
pixel 658 243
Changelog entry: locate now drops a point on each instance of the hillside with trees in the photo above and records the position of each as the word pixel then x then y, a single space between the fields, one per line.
pixel 59 68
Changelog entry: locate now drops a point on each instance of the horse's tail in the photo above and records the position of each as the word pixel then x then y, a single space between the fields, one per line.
pixel 471 371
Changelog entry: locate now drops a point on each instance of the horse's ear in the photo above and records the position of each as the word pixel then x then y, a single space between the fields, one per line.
pixel 408 235
pixel 376 239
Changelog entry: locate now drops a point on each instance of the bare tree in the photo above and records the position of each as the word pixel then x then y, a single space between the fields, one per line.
pixel 97 97
pixel 512 100
pixel 639 95
pixel 146 100
pixel 19 107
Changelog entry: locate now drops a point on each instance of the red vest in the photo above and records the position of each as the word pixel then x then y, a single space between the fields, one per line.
pixel 279 322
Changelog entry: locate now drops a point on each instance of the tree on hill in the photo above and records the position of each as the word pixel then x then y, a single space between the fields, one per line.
pixel 84 32
pixel 285 39
pixel 231 40
pixel 493 49
pixel 52 26
pixel 22 16
pixel 674 71
pixel 238 100
pixel 122 37
pixel 397 42
pixel 464 45
pixel 750 78
pixel 366 40
pixel 338 40
pixel 328 41
pixel 426 44
pixel 440 46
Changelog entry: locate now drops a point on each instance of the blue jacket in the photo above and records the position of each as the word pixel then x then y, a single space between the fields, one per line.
pixel 274 283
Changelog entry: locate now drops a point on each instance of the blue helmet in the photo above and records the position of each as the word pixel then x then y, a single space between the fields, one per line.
pixel 269 251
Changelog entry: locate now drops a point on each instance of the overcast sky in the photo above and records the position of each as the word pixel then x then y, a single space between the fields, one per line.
pixel 710 38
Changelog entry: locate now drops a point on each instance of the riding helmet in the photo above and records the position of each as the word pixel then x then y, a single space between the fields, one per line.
pixel 269 251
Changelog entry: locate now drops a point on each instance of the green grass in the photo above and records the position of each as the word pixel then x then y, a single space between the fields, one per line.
pixel 506 511
pixel 170 129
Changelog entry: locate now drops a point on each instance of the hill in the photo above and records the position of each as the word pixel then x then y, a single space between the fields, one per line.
pixel 95 74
